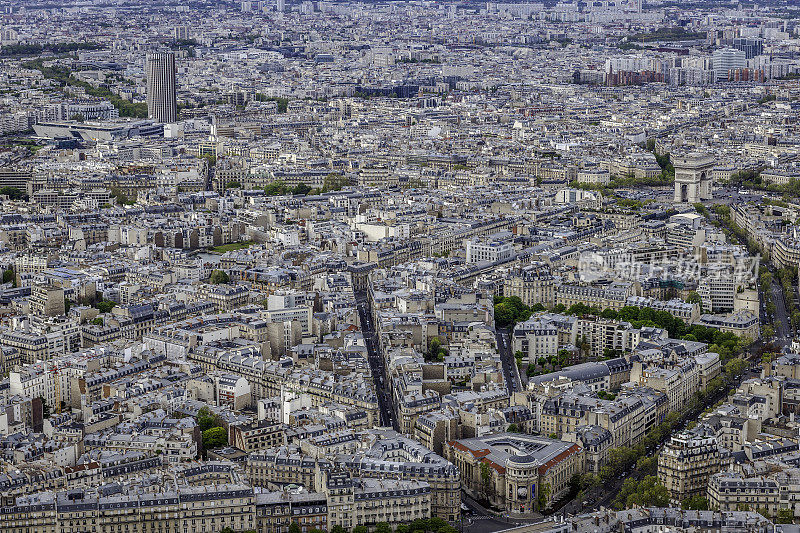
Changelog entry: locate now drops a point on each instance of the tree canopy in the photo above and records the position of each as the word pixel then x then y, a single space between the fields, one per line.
pixel 645 493
pixel 219 277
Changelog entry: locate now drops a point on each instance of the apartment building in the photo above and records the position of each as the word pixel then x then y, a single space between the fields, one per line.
pixel 731 491
pixel 208 508
pixel 532 284
pixel 510 469
pixel 535 338
pixel 686 463
pixel 679 380
pixel 609 296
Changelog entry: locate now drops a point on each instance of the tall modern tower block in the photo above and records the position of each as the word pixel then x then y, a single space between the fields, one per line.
pixel 161 100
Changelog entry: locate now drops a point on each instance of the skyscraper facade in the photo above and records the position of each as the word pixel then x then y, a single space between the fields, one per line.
pixel 750 47
pixel 161 100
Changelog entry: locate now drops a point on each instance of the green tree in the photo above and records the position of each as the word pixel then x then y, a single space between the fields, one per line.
pixel 503 315
pixel 785 516
pixel 276 188
pixel 486 479
pixel 338 529
pixel 301 189
pixel 735 367
pixel 334 182
pixel 695 503
pixel 435 523
pixel 206 419
pixel 609 314
pixel 233 185
pixel 219 277
pixel 215 438
pixel 8 276
pixel 420 524
pixel 694 298
pixel 294 527
pixel 360 529
pixel 513 428
pixel 435 351
pixel 98 321
pixel 646 493
pixel 381 527
pixel 543 499
pixel 282 103
pixel 105 306
pixel 120 196
pixel 13 193
pixel 509 311
pixel 587 481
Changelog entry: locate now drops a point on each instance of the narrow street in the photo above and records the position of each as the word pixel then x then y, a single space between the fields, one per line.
pixel 782 322
pixel 510 373
pixel 376 365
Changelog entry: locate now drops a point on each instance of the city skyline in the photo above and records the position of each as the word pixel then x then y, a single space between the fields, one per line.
pixel 310 266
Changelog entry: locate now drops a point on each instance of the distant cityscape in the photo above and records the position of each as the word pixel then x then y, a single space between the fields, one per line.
pixel 399 267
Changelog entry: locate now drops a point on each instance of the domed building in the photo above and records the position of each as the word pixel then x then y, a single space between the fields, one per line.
pixel 515 472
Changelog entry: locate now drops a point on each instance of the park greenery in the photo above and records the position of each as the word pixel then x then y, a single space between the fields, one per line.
pixel 33 49
pixel 120 196
pixel 435 351
pixel 665 177
pixel 104 305
pixel 279 188
pixel 282 103
pixel 219 277
pixel 13 193
pixel 332 182
pixel 231 246
pixel 508 311
pixel 545 365
pixel 64 77
pixel 212 429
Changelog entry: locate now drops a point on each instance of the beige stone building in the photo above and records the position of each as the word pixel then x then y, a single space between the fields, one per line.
pixel 685 464
pixel 516 472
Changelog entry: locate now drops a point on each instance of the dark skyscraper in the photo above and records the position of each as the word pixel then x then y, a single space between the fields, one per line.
pixel 751 47
pixel 161 99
